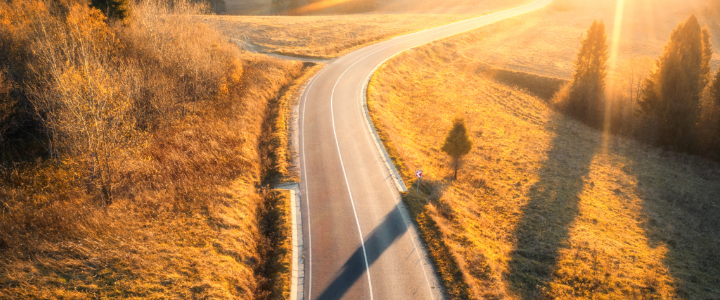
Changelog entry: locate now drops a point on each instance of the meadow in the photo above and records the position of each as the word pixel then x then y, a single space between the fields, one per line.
pixel 544 206
pixel 546 41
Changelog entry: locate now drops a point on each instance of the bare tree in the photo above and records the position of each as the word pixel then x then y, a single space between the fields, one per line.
pixel 84 97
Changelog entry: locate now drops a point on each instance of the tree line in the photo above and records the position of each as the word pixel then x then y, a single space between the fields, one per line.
pixel 676 106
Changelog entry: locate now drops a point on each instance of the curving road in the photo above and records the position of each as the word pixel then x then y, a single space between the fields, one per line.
pixel 359 241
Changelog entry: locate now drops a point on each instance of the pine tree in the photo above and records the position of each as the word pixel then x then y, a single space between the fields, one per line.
pixel 113 9
pixel 714 93
pixel 715 89
pixel 671 95
pixel 587 91
pixel 457 142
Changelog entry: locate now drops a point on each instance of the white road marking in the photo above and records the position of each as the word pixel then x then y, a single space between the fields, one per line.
pixel 307 191
pixel 357 221
pixel 397 202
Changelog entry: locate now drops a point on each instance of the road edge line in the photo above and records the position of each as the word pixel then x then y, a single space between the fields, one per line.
pixel 376 137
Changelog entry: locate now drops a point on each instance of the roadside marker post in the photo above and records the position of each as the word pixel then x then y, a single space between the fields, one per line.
pixel 419 175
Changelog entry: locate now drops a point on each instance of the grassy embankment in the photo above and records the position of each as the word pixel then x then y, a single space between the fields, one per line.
pixel 187 216
pixel 544 206
pixel 333 35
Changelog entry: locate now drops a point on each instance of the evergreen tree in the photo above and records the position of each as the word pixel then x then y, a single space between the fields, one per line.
pixel 457 142
pixel 113 9
pixel 671 96
pixel 715 89
pixel 587 91
pixel 714 93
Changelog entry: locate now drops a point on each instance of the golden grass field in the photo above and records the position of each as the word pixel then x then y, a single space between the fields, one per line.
pixel 546 41
pixel 544 206
pixel 333 35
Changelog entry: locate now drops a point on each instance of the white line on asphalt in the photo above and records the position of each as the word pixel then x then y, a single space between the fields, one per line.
pixel 307 191
pixel 458 24
pixel 357 221
pixel 408 226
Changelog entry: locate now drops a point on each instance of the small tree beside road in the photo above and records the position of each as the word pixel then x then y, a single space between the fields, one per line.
pixel 457 143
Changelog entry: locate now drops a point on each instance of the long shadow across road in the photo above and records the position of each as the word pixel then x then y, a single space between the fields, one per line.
pixel 381 238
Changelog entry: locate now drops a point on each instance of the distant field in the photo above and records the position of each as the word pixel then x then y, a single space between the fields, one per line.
pixel 544 207
pixel 546 41
pixel 333 35
pixel 265 7
pixel 321 36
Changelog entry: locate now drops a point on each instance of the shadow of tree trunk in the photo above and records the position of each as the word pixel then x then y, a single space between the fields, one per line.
pixel 553 205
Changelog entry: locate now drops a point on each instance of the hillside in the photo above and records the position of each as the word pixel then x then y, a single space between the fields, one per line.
pixel 546 41
pixel 544 207
pixel 135 158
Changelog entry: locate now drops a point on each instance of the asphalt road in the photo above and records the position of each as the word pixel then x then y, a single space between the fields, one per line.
pixel 359 241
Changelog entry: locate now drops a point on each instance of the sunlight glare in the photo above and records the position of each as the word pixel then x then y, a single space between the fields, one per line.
pixel 612 66
pixel 316 6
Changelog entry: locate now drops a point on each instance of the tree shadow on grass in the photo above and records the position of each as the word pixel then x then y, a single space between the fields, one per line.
pixel 679 196
pixel 553 205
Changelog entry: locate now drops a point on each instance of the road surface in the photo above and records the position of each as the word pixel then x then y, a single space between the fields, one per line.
pixel 359 241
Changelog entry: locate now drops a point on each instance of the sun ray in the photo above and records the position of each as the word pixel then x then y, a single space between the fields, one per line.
pixel 612 67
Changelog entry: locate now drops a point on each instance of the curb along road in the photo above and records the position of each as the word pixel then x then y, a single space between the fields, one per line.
pixel 298 266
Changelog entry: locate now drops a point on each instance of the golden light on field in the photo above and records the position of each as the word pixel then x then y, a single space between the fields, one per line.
pixel 316 6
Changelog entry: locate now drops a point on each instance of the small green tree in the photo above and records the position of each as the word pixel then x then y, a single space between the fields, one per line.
pixel 457 142
pixel 587 90
pixel 671 96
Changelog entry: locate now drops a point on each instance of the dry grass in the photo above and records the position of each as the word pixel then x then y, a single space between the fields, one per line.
pixel 544 207
pixel 186 220
pixel 284 167
pixel 332 36
pixel 546 41
pixel 276 246
pixel 321 36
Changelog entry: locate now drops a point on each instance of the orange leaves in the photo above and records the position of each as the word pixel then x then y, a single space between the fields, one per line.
pixel 88 25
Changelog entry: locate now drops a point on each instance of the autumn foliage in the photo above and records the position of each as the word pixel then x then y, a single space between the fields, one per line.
pixel 126 146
